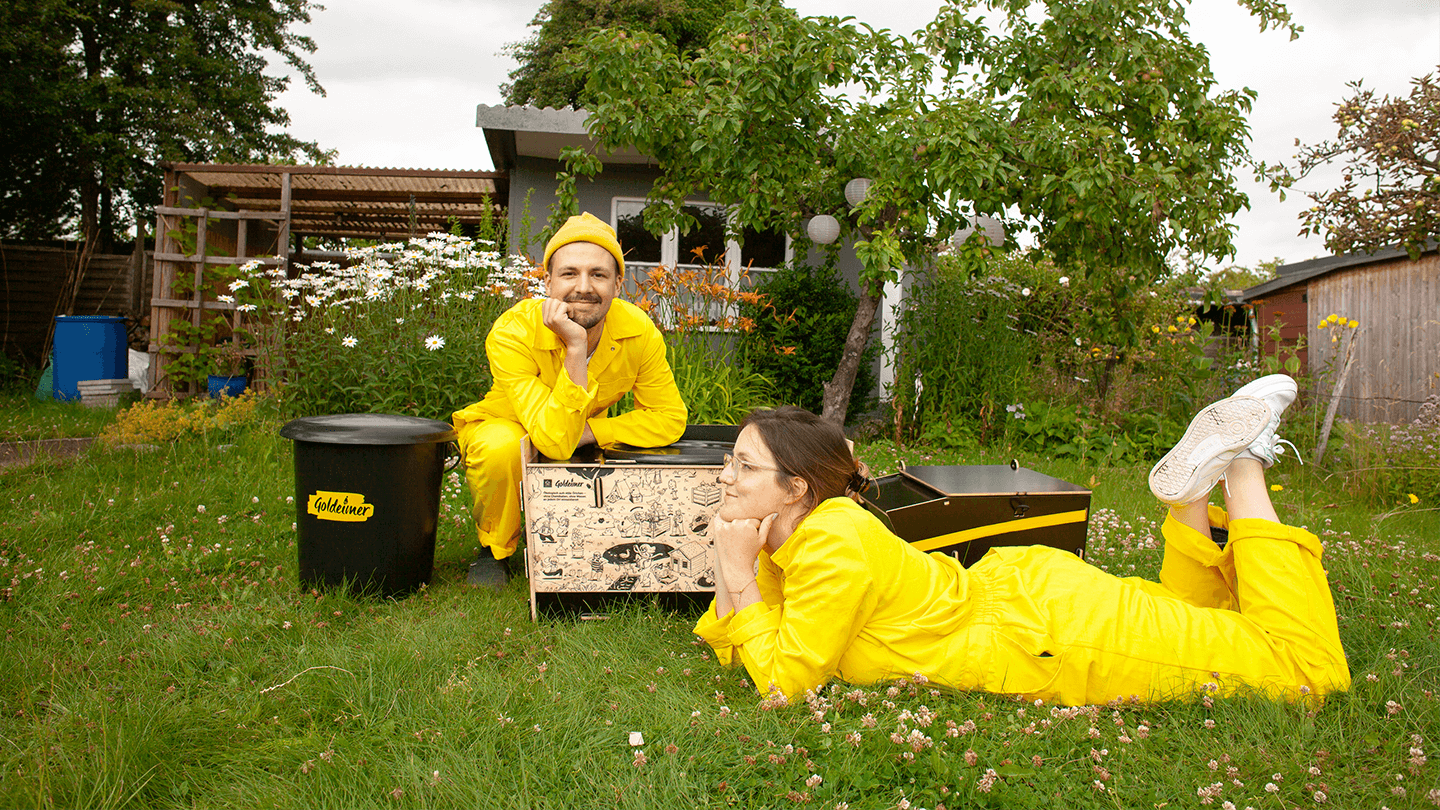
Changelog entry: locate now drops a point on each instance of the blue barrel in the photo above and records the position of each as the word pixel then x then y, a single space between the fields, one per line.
pixel 88 347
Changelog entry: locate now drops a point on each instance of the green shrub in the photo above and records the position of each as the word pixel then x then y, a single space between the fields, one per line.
pixel 799 333
pixel 401 330
pixel 964 354
pixel 715 390
pixel 1007 351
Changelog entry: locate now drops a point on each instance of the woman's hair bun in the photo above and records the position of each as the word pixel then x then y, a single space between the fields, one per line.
pixel 860 480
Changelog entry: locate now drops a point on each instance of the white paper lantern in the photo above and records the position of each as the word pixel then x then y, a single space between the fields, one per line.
pixel 992 231
pixel 823 229
pixel 856 189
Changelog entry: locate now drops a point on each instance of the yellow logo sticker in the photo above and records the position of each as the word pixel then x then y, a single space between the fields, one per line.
pixel 349 507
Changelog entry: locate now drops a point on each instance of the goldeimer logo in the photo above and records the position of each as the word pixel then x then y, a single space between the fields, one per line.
pixel 349 507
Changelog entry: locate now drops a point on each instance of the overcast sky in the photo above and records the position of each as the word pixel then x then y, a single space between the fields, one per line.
pixel 402 81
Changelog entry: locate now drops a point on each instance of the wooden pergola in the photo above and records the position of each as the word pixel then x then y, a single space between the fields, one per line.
pixel 342 201
pixel 228 214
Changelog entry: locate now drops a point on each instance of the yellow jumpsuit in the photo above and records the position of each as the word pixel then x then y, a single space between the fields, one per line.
pixel 843 597
pixel 533 394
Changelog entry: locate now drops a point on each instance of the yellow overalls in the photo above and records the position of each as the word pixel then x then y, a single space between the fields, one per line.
pixel 533 394
pixel 843 597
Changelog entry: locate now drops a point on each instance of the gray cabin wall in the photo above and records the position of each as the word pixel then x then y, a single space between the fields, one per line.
pixel 592 195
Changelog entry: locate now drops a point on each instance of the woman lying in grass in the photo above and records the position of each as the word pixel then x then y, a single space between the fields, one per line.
pixel 1242 602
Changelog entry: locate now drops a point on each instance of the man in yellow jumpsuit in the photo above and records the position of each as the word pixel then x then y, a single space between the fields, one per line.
pixel 558 364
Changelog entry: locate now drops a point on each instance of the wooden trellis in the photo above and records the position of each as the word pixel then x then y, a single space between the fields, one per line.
pixel 171 261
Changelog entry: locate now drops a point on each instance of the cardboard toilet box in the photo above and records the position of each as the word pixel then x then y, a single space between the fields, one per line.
pixel 607 525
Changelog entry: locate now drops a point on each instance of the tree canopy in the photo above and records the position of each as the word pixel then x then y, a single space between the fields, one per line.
pixel 1390 190
pixel 552 72
pixel 95 93
pixel 1094 125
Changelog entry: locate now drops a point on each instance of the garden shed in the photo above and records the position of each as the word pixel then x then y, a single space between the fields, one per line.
pixel 1396 302
pixel 218 216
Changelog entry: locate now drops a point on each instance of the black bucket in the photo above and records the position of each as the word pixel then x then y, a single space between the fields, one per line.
pixel 367 499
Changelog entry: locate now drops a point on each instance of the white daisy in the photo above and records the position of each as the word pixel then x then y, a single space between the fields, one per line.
pixel 434 342
pixel 349 342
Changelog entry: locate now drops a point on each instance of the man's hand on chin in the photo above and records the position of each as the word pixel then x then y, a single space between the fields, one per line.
pixel 555 314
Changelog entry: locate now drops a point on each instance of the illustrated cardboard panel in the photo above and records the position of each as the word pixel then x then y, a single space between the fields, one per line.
pixel 614 528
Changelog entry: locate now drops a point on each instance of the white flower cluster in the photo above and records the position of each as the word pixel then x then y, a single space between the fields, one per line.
pixel 378 273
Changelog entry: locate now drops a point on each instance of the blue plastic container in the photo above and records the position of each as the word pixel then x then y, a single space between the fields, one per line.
pixel 88 347
pixel 226 386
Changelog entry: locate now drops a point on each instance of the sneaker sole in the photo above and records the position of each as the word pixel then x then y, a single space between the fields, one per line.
pixel 1227 426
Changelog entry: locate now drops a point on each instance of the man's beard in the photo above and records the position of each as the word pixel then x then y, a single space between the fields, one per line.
pixel 589 321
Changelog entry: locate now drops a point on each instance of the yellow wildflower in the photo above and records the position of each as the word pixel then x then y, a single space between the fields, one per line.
pixel 1354 324
pixel 1155 329
pixel 1171 329
pixel 1413 499
pixel 1276 487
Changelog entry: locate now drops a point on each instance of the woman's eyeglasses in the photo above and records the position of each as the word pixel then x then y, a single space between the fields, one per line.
pixel 743 467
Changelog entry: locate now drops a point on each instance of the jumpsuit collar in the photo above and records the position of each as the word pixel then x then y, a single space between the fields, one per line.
pixel 624 320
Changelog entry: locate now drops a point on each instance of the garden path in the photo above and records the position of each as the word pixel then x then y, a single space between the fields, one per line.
pixel 16 454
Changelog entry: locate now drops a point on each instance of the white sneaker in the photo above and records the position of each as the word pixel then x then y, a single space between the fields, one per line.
pixel 1220 430
pixel 1278 391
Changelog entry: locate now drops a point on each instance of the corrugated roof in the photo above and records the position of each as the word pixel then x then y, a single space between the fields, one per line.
pixel 1291 274
pixel 354 200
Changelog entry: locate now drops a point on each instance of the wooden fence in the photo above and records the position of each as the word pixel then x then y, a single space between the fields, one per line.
pixel 31 278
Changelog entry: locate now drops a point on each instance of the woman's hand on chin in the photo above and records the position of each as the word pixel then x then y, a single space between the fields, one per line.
pixel 738 542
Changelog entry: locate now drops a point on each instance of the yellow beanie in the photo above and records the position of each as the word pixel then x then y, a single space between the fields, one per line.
pixel 585 228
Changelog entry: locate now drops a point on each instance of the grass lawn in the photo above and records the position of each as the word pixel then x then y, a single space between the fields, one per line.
pixel 159 653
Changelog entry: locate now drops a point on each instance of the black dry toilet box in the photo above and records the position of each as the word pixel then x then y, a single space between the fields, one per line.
pixel 367 499
pixel 964 511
